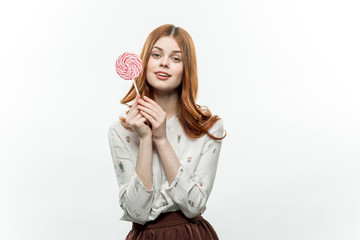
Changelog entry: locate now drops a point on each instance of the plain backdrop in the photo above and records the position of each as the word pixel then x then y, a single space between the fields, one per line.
pixel 283 75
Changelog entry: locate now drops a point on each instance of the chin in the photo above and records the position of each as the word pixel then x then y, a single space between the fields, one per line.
pixel 162 88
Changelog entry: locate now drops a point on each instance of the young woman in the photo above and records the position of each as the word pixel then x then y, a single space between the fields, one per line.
pixel 166 148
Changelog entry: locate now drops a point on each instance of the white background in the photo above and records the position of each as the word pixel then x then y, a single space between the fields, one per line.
pixel 283 75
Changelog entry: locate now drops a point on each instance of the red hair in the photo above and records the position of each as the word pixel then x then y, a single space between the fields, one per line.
pixel 194 119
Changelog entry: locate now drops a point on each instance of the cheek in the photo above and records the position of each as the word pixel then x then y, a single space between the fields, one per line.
pixel 179 72
pixel 178 69
pixel 150 65
pixel 149 68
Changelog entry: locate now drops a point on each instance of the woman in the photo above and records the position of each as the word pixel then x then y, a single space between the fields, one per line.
pixel 166 148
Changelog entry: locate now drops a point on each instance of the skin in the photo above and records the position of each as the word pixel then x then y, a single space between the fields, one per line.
pixel 166 57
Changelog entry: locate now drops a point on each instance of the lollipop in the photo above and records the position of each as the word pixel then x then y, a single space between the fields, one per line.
pixel 129 66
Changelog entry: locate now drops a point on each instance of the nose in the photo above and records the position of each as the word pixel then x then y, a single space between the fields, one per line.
pixel 164 62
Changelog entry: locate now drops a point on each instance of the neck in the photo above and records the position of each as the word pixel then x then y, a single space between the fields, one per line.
pixel 168 102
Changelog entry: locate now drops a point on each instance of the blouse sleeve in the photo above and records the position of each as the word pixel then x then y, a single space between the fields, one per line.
pixel 134 198
pixel 191 191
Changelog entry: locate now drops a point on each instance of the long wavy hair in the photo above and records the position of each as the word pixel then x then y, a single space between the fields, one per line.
pixel 195 120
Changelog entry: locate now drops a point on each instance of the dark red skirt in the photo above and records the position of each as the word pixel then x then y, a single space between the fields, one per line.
pixel 173 225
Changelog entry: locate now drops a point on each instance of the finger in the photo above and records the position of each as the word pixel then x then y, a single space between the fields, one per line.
pixel 149 118
pixel 143 120
pixel 133 114
pixel 140 122
pixel 149 105
pixel 133 107
pixel 149 111
pixel 153 103
pixel 137 117
pixel 135 102
pixel 147 122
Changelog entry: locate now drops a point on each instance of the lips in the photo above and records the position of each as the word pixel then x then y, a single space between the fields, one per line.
pixel 162 74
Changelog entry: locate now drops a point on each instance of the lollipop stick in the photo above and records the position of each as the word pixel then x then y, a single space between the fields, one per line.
pixel 136 87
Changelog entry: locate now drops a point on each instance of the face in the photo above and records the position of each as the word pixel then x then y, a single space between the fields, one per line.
pixel 165 67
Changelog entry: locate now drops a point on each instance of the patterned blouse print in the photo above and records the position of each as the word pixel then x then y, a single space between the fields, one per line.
pixel 192 185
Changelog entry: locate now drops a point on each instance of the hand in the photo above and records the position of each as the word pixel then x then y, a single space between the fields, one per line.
pixel 137 121
pixel 155 115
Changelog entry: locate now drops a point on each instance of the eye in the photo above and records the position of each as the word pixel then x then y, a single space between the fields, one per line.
pixel 155 55
pixel 177 59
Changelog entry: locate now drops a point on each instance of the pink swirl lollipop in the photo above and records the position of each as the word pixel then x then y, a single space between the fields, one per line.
pixel 129 66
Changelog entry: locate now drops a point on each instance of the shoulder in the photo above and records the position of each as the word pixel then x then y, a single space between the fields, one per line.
pixel 218 126
pixel 217 129
pixel 117 127
pixel 117 130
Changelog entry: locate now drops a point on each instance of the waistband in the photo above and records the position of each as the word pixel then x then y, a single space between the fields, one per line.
pixel 166 220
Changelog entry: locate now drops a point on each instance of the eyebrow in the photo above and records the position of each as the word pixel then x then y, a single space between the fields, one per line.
pixel 173 51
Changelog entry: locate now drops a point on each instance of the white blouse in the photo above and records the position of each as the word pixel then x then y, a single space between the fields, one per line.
pixel 192 185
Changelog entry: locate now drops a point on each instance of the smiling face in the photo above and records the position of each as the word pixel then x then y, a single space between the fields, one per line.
pixel 165 67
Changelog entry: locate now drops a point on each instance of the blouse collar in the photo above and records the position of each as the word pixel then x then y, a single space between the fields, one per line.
pixel 171 122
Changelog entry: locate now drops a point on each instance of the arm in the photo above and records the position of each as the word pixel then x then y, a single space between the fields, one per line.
pixel 172 163
pixel 191 191
pixel 134 198
pixel 144 163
